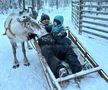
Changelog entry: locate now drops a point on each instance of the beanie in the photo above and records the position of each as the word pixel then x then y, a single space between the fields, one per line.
pixel 44 17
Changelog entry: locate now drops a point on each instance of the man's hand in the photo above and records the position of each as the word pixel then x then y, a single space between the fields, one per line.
pixel 62 34
pixel 31 36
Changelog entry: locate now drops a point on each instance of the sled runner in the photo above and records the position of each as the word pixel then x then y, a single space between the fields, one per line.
pixel 90 66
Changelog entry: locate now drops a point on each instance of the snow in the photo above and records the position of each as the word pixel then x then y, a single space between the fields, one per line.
pixel 32 77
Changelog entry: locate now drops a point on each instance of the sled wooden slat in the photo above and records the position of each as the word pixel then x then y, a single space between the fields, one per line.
pixel 54 80
pixel 95 0
pixel 88 56
pixel 47 68
pixel 79 74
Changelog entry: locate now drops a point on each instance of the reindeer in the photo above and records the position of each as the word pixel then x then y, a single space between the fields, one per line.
pixel 17 29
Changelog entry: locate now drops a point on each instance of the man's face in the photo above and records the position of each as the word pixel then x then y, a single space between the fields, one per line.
pixel 45 22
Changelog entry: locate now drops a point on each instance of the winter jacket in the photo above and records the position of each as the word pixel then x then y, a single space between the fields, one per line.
pixel 58 28
pixel 58 32
pixel 48 28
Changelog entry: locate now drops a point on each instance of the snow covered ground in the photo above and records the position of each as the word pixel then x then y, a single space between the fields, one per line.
pixel 32 77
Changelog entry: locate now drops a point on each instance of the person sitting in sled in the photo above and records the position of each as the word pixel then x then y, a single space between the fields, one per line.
pixel 45 23
pixel 45 20
pixel 59 50
pixel 55 49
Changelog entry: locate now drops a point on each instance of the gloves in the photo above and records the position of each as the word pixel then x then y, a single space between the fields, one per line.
pixel 31 36
pixel 62 34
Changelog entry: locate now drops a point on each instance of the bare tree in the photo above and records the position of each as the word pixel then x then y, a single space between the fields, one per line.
pixel 66 3
pixel 23 4
pixel 20 3
pixel 57 4
pixel 33 4
pixel 10 3
pixel 38 4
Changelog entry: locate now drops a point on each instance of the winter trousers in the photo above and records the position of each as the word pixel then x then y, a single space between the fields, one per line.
pixel 55 54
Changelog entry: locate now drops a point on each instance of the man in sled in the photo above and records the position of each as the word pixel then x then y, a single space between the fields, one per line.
pixel 56 49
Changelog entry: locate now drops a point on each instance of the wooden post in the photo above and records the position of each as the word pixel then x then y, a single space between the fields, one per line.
pixel 80 12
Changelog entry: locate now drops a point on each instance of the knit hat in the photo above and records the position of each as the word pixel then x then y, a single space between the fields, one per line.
pixel 44 17
pixel 59 19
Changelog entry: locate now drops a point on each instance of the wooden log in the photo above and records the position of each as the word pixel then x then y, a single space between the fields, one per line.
pixel 95 0
pixel 92 17
pixel 96 29
pixel 93 6
pixel 105 37
pixel 79 74
pixel 94 12
pixel 94 23
pixel 74 1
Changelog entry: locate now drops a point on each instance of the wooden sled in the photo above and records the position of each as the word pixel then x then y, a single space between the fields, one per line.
pixel 55 83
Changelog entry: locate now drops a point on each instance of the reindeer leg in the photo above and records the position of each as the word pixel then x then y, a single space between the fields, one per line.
pixel 28 45
pixel 16 63
pixel 26 63
pixel 15 45
pixel 5 32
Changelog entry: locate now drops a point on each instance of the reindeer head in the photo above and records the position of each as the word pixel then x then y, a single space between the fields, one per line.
pixel 29 23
